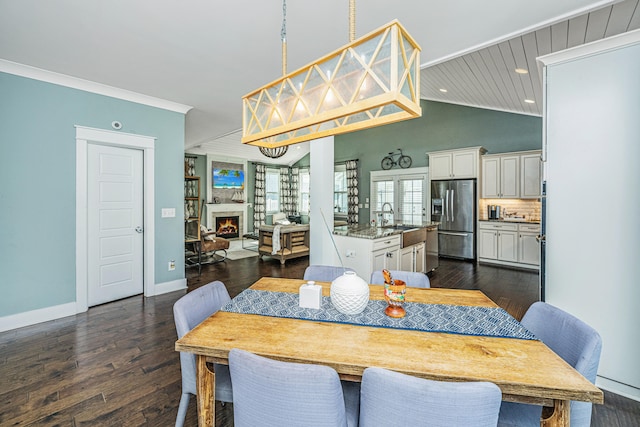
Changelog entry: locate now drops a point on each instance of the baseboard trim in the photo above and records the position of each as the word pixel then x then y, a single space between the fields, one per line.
pixel 618 388
pixel 172 286
pixel 33 317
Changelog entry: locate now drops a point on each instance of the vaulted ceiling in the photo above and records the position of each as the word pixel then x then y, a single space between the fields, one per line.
pixel 209 54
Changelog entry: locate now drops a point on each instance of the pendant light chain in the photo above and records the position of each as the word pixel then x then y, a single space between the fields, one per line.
pixel 276 152
pixel 283 37
pixel 352 20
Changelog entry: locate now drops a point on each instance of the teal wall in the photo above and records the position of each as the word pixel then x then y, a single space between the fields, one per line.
pixel 441 127
pixel 37 186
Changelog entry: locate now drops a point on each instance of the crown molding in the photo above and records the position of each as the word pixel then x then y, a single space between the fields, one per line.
pixel 89 86
pixel 611 43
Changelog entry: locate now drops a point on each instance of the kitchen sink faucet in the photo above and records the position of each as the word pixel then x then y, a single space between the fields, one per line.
pixel 382 221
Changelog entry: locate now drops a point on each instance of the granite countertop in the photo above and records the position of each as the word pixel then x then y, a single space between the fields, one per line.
pixel 366 231
pixel 514 220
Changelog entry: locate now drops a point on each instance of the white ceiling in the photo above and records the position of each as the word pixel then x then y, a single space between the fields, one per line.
pixel 208 54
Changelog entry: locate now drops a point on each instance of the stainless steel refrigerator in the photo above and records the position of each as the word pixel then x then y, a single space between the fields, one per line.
pixel 453 205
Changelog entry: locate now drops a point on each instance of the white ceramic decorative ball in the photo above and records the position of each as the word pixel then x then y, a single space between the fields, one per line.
pixel 349 293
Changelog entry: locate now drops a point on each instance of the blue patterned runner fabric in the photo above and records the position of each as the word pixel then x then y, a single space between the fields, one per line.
pixel 453 319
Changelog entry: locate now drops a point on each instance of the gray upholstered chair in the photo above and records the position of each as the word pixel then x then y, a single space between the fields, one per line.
pixel 272 393
pixel 415 280
pixel 388 398
pixel 189 311
pixel 571 339
pixel 324 273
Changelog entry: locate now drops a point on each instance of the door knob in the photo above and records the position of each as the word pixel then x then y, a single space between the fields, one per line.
pixel 139 229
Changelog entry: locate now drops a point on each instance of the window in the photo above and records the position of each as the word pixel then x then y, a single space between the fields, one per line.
pixel 303 191
pixel 272 190
pixel 406 191
pixel 381 193
pixel 410 201
pixel 340 207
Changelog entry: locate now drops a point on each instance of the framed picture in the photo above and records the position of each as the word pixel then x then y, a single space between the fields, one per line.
pixel 226 181
pixel 228 178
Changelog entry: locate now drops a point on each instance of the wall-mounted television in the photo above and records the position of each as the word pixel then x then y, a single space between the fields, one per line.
pixel 228 178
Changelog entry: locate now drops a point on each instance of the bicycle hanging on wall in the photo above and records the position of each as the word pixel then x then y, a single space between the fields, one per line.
pixel 396 158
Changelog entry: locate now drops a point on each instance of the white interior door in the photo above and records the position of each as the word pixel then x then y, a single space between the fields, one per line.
pixel 114 223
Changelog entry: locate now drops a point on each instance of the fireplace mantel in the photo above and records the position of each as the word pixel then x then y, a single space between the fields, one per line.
pixel 213 208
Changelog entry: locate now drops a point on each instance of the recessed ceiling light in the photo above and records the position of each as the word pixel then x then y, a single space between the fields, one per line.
pixel 529 101
pixel 443 90
pixel 522 71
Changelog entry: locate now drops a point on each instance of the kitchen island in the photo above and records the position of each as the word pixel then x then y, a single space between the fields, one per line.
pixel 400 247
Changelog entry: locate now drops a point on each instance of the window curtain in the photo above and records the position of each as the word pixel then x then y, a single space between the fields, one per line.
pixel 286 202
pixel 259 201
pixel 295 178
pixel 352 191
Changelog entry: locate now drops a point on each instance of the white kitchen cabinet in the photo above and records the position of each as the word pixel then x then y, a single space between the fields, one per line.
pixel 490 177
pixel 498 241
pixel 530 175
pixel 420 258
pixel 366 255
pixel 528 245
pixel 511 175
pixel 510 244
pixel 440 165
pixel 412 258
pixel 487 243
pixel 501 176
pixel 388 258
pixel 455 164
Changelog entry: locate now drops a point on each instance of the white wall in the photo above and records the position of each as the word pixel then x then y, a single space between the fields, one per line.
pixel 321 201
pixel 592 119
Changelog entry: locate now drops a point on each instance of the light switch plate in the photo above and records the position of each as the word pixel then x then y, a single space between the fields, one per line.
pixel 168 212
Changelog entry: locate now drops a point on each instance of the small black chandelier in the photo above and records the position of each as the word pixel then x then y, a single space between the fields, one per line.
pixel 274 152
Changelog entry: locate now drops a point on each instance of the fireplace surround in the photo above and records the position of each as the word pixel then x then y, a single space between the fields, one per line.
pixel 216 210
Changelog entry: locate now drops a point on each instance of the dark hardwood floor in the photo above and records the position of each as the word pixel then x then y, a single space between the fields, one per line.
pixel 116 366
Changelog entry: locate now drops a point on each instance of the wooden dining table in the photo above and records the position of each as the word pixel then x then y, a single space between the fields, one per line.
pixel 526 371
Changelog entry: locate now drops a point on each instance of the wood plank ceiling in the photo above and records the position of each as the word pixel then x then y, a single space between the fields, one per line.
pixel 487 78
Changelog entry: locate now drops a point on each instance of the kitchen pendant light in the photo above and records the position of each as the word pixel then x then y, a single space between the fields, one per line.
pixel 372 81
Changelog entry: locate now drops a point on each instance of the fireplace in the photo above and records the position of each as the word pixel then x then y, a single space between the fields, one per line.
pixel 226 210
pixel 228 226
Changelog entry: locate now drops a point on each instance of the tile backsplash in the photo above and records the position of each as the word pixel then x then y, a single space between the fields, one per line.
pixel 530 208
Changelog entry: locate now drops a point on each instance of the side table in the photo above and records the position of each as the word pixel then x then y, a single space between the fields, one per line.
pixel 250 236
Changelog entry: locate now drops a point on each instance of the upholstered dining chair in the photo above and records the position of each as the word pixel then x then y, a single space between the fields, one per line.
pixel 571 339
pixel 189 311
pixel 389 398
pixel 272 393
pixel 324 273
pixel 415 280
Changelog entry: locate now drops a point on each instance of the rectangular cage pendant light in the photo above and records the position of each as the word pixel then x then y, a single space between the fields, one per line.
pixel 370 82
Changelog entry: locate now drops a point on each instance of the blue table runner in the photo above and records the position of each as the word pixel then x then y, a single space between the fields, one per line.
pixel 453 319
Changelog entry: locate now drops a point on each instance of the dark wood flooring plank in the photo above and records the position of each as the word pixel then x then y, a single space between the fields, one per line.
pixel 115 364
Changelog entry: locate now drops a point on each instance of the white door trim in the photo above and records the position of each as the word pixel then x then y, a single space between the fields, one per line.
pixel 84 135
